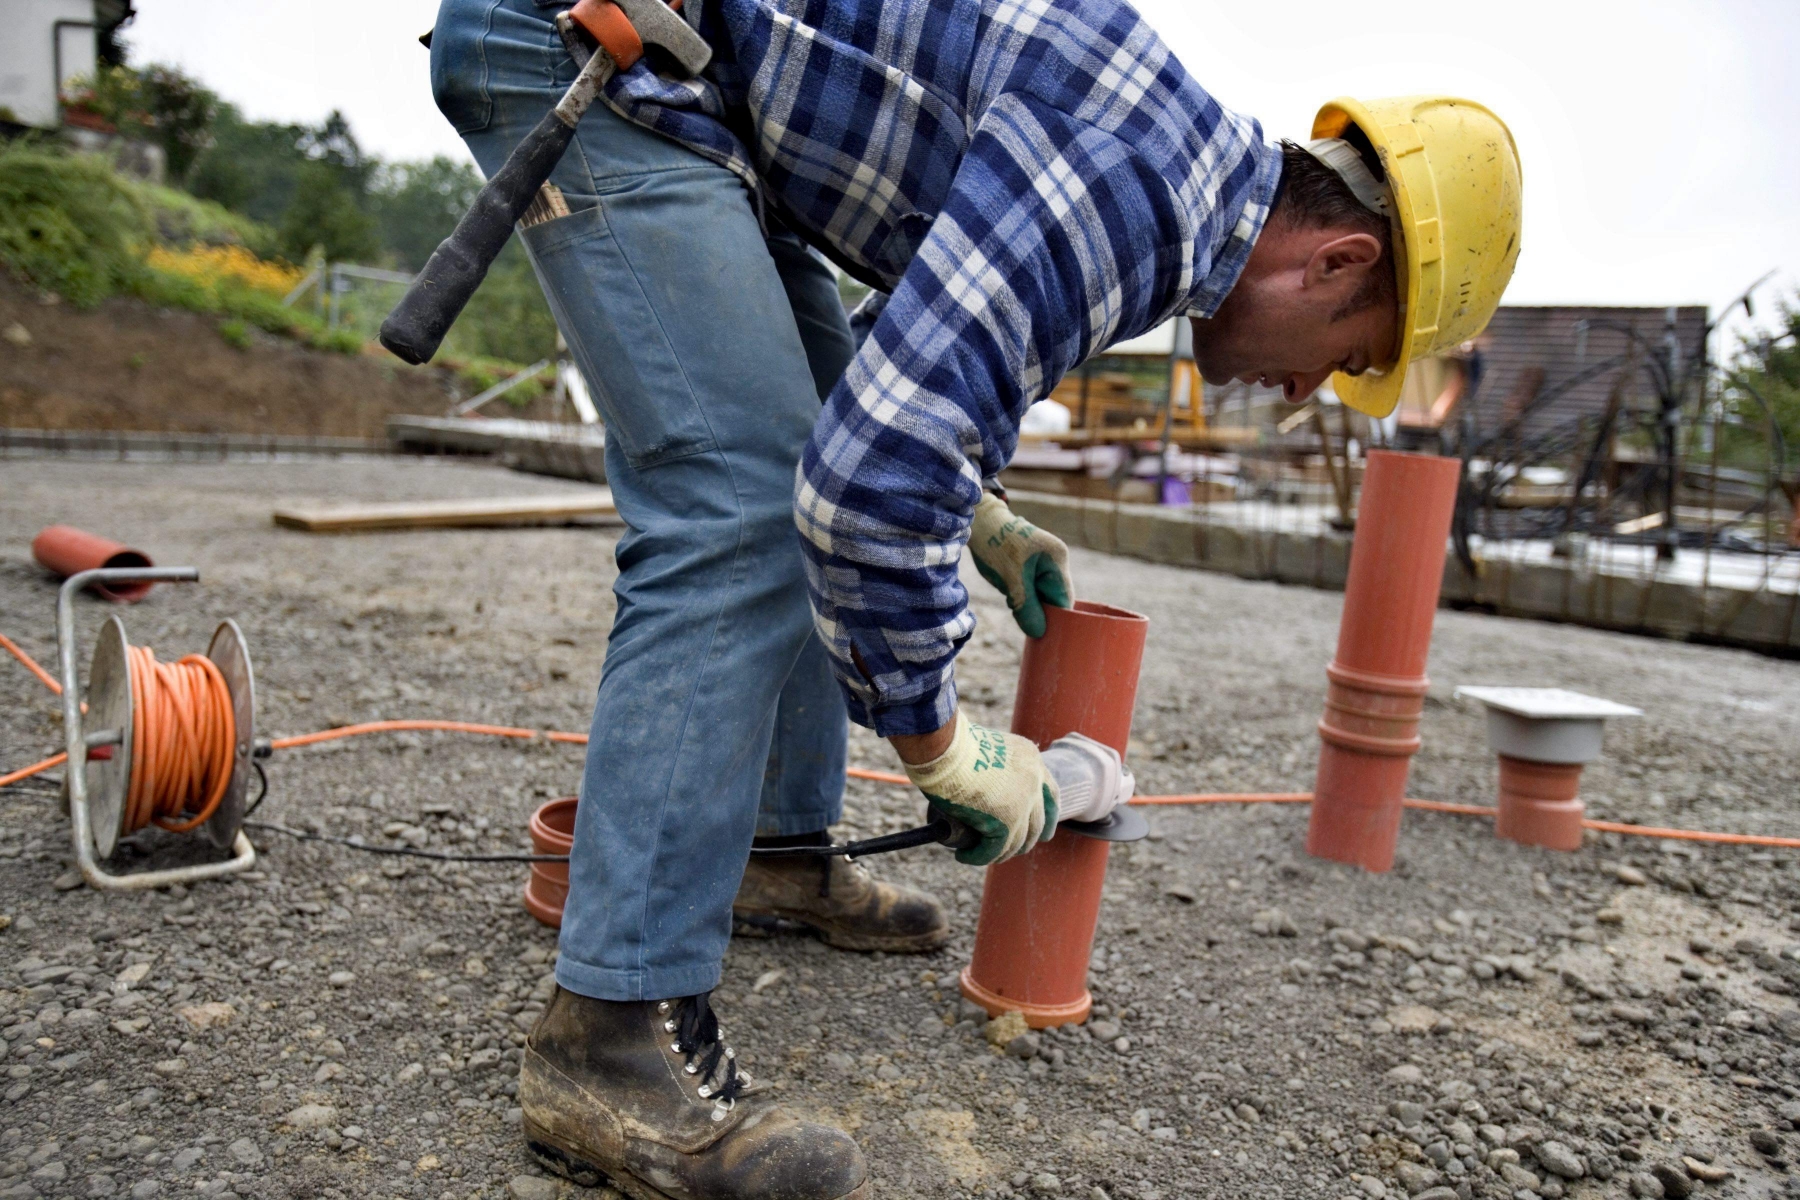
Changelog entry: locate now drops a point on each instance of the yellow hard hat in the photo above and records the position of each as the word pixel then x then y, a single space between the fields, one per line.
pixel 1454 173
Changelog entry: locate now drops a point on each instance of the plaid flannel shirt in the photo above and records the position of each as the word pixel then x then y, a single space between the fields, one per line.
pixel 1032 180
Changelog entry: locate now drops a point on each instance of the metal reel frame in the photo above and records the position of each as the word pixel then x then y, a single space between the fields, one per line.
pixel 97 786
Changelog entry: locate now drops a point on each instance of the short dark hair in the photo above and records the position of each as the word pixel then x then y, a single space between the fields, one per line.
pixel 1313 196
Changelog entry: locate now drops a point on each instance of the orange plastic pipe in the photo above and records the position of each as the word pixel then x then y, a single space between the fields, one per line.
pixel 547 886
pixel 1039 911
pixel 1540 803
pixel 1376 692
pixel 67 551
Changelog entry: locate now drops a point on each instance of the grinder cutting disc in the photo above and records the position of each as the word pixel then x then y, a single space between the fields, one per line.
pixel 229 654
pixel 1122 824
pixel 109 707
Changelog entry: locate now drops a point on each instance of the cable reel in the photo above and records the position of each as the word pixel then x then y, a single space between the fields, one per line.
pixel 202 741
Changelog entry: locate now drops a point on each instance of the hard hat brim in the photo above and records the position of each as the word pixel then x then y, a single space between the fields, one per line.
pixel 1373 393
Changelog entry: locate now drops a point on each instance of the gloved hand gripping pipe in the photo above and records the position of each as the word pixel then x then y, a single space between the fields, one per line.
pixel 1091 782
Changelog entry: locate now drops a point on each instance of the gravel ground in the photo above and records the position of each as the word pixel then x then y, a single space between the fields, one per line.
pixel 1485 1021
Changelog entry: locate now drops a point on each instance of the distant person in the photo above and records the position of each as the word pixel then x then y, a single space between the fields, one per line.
pixel 1027 183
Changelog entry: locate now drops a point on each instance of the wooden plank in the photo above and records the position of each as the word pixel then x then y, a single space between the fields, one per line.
pixel 450 514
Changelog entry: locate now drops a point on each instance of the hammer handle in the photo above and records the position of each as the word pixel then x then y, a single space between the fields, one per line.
pixel 419 322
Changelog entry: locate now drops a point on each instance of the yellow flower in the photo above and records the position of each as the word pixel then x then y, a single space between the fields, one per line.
pixel 214 265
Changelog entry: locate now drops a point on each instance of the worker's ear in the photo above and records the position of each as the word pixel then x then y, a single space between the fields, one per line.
pixel 1341 262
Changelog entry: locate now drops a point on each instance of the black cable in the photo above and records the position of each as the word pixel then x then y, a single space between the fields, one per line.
pixel 262 795
pixel 942 831
pixel 404 851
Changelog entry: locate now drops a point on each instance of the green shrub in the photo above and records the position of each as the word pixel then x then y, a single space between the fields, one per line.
pixel 235 333
pixel 178 218
pixel 68 224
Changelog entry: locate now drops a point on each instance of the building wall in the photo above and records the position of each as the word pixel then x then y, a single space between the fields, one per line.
pixel 29 56
pixel 1526 349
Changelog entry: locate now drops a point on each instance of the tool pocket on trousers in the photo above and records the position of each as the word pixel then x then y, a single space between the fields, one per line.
pixel 616 335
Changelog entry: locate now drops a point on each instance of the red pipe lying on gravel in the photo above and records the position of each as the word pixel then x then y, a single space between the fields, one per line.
pixel 67 551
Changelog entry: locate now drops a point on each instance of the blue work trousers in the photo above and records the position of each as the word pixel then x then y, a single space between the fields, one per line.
pixel 708 346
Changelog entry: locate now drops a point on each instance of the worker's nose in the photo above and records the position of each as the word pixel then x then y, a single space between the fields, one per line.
pixel 1299 386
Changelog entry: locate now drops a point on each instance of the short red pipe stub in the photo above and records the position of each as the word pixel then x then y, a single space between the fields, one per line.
pixel 67 551
pixel 547 886
pixel 1540 803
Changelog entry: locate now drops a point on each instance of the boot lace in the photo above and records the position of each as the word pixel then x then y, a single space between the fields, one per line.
pixel 701 1043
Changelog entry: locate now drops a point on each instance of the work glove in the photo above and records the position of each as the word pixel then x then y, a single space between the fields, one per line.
pixel 1029 566
pixel 996 784
pixel 1091 778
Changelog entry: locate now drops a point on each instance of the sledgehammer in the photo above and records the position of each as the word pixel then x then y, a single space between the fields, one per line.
pixel 432 303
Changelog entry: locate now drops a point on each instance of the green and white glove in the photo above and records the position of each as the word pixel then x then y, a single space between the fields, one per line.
pixel 997 785
pixel 1029 566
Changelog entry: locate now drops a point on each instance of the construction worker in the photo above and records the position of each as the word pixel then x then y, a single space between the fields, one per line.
pixel 1027 183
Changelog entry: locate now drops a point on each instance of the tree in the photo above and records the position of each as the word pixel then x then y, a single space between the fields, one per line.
pixel 252 167
pixel 1766 372
pixel 416 205
pixel 324 212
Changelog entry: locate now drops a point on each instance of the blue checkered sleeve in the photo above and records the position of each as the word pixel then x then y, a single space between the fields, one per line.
pixel 1054 240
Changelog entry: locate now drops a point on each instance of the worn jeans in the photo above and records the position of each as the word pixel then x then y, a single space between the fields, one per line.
pixel 707 346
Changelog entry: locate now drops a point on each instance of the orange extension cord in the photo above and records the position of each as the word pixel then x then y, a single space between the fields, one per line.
pixel 185 724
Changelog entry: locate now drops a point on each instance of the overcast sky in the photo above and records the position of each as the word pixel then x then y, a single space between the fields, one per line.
pixel 1658 139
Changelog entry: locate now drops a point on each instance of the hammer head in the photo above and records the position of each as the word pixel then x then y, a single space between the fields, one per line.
pixel 624 27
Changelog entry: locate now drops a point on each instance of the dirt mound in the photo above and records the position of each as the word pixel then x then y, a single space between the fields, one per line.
pixel 129 366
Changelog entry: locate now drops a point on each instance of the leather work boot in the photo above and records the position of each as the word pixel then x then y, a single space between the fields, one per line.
pixel 647 1097
pixel 848 907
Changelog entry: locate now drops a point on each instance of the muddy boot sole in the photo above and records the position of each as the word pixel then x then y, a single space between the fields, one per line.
pixel 560 1161
pixel 767 922
pixel 566 1163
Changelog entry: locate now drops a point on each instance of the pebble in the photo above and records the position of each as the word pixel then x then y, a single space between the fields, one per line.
pixel 1438 1193
pixel 311 1116
pixel 1558 1159
pixel 246 1152
pixel 532 1187
pixel 1676 1182
pixel 340 979
pixel 1765 1142
pixel 1706 1172
pixel 1004 1028
pixel 1273 922
pixel 1405 1073
pixel 205 1016
pixel 1646 1186
pixel 1630 876
pixel 1181 892
pixel 68 881
pixel 1414 1177
pixel 1046 1184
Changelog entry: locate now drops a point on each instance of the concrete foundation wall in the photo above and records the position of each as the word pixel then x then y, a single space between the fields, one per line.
pixel 1556 591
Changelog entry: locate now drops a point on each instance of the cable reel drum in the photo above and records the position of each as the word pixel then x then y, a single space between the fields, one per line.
pixel 110 709
pixel 107 738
